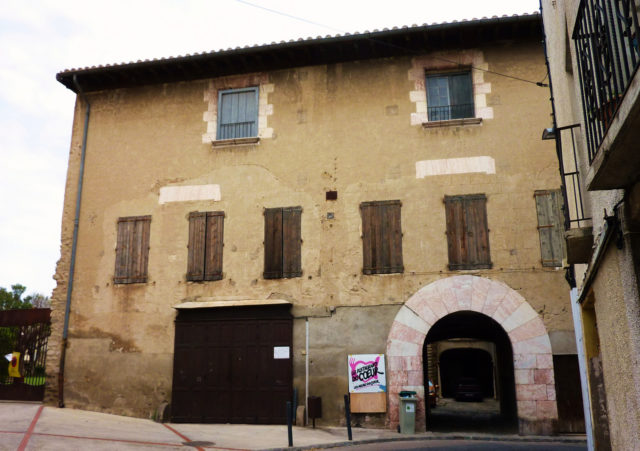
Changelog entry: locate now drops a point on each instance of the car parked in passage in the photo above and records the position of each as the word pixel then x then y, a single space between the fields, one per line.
pixel 468 389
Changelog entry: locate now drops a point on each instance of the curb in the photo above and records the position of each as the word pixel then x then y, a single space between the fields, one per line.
pixel 515 439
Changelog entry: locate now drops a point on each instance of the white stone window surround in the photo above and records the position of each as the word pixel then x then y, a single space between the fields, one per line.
pixel 443 62
pixel 265 109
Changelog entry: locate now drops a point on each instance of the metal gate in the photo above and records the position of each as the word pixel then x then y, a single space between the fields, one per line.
pixel 23 348
pixel 232 365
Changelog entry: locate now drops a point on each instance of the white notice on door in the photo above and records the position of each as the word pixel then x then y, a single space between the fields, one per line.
pixel 281 352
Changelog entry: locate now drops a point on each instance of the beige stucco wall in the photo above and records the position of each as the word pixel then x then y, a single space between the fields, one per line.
pixel 618 350
pixel 615 287
pixel 344 127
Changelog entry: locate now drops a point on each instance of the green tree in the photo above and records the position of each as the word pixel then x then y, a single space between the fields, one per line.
pixel 11 300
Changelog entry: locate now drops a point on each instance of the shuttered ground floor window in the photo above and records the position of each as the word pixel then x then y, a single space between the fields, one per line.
pixel 206 240
pixel 132 249
pixel 381 237
pixel 467 232
pixel 282 243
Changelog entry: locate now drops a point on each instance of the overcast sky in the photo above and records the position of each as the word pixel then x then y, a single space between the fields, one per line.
pixel 39 38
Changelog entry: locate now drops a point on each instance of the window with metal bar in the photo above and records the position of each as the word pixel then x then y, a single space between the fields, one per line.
pixel 237 113
pixel 449 96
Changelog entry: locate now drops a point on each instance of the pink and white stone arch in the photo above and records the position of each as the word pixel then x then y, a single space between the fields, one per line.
pixel 532 358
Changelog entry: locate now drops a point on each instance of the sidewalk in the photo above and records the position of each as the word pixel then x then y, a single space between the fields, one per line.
pixel 26 426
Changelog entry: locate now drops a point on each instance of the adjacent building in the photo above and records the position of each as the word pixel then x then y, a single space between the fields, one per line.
pixel 594 57
pixel 238 223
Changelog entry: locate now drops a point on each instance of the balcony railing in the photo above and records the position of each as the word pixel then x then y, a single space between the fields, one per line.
pixel 574 215
pixel 606 37
pixel 447 112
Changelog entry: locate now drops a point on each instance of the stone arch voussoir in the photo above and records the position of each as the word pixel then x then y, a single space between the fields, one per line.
pixel 532 358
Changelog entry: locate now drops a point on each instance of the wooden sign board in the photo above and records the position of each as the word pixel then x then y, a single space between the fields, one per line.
pixel 369 402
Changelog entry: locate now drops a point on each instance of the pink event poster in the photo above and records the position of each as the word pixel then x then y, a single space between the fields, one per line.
pixel 367 373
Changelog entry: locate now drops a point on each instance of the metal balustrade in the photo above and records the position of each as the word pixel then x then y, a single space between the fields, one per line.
pixel 447 112
pixel 606 38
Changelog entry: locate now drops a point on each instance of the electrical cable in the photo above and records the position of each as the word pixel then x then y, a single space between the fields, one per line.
pixel 274 11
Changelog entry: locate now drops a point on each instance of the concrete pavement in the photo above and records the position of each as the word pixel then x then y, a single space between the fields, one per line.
pixel 25 426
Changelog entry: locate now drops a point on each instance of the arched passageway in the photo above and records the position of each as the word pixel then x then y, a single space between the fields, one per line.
pixel 455 364
pixel 472 374
pixel 529 363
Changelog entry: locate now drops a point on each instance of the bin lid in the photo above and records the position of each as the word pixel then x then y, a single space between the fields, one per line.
pixel 407 394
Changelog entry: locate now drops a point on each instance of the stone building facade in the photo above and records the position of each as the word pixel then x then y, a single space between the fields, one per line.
pixel 250 218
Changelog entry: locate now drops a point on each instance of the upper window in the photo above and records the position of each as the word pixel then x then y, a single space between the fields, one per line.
pixel 206 231
pixel 132 249
pixel 381 237
pixel 467 232
pixel 282 243
pixel 449 96
pixel 237 113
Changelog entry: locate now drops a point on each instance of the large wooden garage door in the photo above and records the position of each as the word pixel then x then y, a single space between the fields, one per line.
pixel 226 369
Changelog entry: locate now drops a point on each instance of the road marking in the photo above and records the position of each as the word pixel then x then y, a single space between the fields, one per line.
pixel 137 442
pixel 184 437
pixel 27 435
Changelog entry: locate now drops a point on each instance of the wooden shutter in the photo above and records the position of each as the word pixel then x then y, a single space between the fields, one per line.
pixel 214 245
pixel 291 242
pixel 273 243
pixel 238 113
pixel 381 237
pixel 197 234
pixel 467 232
pixel 549 205
pixel 132 249
pixel 392 236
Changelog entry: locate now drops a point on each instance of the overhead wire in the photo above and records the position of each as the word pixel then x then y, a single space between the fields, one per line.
pixel 388 44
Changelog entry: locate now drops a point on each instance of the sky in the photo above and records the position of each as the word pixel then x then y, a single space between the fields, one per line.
pixel 39 38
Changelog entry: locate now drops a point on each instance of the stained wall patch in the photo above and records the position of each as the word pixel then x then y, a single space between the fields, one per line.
pixel 449 166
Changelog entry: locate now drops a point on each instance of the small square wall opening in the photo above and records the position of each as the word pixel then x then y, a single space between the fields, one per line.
pixel 331 195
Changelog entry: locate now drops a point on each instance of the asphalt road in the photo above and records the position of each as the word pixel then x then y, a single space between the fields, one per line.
pixel 466 445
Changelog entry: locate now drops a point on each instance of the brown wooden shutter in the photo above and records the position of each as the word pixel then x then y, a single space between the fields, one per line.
pixel 456 234
pixel 123 250
pixel 273 264
pixel 132 249
pixel 214 245
pixel 393 236
pixel 475 209
pixel 367 210
pixel 381 237
pixel 467 232
pixel 549 205
pixel 197 237
pixel 291 242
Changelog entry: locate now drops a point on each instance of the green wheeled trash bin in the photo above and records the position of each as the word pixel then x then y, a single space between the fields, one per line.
pixel 408 402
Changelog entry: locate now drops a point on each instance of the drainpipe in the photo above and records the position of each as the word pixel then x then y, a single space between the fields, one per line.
pixel 306 372
pixel 74 245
